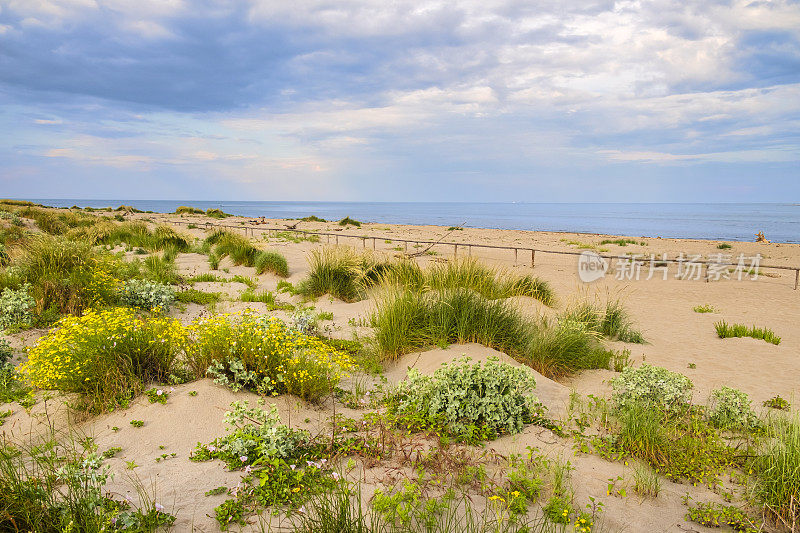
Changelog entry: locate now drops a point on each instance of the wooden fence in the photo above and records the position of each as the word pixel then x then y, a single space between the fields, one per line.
pixel 251 231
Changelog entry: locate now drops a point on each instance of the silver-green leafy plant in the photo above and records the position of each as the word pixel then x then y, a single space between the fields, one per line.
pixel 463 395
pixel 146 294
pixel 731 408
pixel 16 307
pixel 651 385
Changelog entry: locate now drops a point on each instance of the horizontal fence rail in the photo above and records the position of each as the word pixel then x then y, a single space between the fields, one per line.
pixel 533 251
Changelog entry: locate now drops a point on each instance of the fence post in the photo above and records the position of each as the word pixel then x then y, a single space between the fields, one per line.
pixel 533 258
pixel 796 278
pixel 515 255
pixel 337 240
pixel 455 251
pixel 406 246
pixel 469 250
pixel 373 243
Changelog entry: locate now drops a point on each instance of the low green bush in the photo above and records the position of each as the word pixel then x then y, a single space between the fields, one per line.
pixel 471 398
pixel 652 385
pixel 730 408
pixel 271 262
pixel 16 308
pixel 147 295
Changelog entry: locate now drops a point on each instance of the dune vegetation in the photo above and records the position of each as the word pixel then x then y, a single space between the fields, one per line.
pixel 132 318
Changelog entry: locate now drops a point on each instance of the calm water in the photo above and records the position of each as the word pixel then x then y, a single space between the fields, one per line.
pixel 735 222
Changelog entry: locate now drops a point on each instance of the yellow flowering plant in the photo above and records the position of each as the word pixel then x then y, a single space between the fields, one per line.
pixel 105 353
pixel 265 354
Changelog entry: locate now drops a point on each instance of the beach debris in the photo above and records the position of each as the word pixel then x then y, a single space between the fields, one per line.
pixel 760 237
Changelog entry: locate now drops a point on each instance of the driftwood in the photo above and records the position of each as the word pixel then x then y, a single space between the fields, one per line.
pixel 431 245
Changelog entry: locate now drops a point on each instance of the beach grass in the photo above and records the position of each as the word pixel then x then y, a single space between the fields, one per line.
pixel 725 331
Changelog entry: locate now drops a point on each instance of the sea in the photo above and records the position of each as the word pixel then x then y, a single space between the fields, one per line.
pixel 780 222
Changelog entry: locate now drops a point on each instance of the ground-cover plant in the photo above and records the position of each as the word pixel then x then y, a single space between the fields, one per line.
pixel 469 399
pixel 147 295
pixel 717 515
pixel 725 331
pixel 340 272
pixel 705 308
pixel 776 402
pixel 724 246
pixel 217 213
pixel 264 354
pixel 198 297
pixel 242 252
pixel 313 218
pixel 284 466
pixel 106 356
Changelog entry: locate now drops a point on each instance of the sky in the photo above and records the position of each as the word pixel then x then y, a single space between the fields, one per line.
pixel 375 100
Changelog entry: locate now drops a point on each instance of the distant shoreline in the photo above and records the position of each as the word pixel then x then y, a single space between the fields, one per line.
pixel 780 222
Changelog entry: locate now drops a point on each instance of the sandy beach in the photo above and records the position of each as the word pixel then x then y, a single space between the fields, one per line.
pixel 677 338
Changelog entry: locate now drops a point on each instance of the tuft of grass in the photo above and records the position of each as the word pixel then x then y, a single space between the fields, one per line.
pixel 724 246
pixel 725 331
pixel 621 242
pixel 217 213
pixel 646 482
pixel 705 308
pixel 339 272
pixel 186 210
pixel 777 470
pixel 611 320
pixel 313 218
pixel 406 320
pixel 271 262
pixel 349 221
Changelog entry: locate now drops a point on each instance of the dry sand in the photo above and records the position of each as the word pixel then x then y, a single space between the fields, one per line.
pixel 662 310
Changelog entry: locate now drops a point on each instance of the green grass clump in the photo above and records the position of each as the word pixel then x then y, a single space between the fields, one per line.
pixel 705 308
pixel 610 320
pixel 777 470
pixel 217 213
pixel 271 262
pixel 61 486
pixel 406 320
pixel 186 210
pixel 724 246
pixel 725 331
pixel 265 297
pixel 340 272
pixel 349 221
pixel 198 297
pixel 313 218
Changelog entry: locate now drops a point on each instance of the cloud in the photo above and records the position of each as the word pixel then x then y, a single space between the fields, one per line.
pixel 385 99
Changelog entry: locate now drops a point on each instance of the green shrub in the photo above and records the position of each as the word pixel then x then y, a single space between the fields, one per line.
pixel 349 221
pixel 239 248
pixel 16 308
pixel 148 295
pixel 335 271
pixel 461 397
pixel 652 385
pixel 313 218
pixel 271 262
pixel 724 331
pixel 730 408
pixel 776 402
